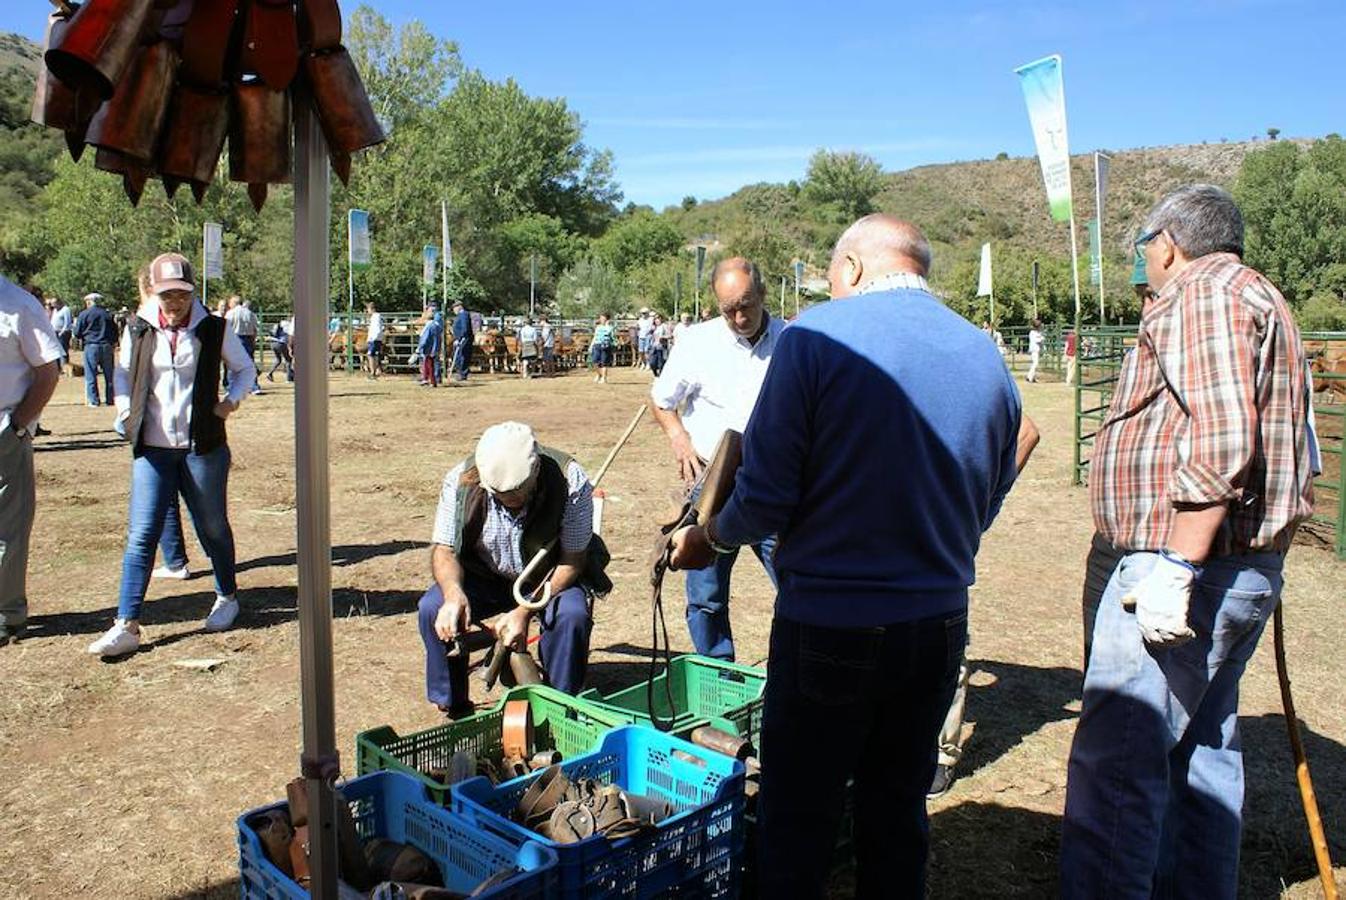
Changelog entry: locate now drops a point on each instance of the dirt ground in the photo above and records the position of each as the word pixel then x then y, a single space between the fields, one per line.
pixel 124 780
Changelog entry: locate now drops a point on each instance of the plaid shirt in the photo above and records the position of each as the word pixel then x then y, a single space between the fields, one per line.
pixel 1211 407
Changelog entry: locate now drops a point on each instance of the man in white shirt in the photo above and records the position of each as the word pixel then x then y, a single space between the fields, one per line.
pixel 1034 349
pixel 528 347
pixel 244 324
pixel 709 385
pixel 679 329
pixel 30 358
pixel 644 333
pixel 374 341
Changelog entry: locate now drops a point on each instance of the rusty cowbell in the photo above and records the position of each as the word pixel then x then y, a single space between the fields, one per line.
pixel 134 173
pixel 97 47
pixel 343 108
pixel 259 138
pixel 131 121
pixel 56 104
pixel 193 137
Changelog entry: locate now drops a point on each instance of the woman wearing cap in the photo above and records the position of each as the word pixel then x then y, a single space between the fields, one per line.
pixel 168 385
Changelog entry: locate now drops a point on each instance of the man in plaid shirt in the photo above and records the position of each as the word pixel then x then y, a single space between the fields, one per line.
pixel 1201 474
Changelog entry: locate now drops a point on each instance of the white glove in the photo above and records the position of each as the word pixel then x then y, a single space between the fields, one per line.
pixel 1160 600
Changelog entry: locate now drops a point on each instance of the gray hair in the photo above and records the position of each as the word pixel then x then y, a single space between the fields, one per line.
pixel 884 235
pixel 748 267
pixel 1200 219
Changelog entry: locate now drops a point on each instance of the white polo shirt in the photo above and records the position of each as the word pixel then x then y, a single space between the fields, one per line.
pixel 168 411
pixel 715 376
pixel 27 342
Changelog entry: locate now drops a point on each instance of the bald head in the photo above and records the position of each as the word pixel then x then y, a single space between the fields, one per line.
pixel 875 246
pixel 741 295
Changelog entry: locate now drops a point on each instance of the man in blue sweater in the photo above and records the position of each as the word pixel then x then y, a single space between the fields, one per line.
pixel 879 473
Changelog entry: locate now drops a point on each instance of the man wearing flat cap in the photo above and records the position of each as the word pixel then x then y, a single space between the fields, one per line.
pixel 497 509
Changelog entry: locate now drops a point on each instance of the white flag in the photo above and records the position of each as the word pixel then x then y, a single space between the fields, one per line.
pixel 1101 162
pixel 984 280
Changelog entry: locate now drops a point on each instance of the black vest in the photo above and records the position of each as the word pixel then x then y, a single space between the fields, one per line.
pixel 545 514
pixel 207 429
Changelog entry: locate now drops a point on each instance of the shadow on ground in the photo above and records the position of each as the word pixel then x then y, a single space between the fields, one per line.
pixel 1020 701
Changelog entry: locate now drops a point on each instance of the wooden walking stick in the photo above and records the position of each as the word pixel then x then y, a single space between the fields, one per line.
pixel 1316 833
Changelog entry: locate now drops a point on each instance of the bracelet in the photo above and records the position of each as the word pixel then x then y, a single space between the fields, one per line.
pixel 1174 556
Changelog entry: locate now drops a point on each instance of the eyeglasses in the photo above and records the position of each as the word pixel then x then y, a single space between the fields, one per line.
pixel 1147 237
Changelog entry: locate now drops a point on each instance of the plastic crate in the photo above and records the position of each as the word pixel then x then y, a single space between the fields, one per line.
pixel 698 852
pixel 702 689
pixel 391 805
pixel 560 722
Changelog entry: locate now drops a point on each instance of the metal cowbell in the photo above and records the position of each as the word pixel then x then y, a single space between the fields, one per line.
pixel 97 47
pixel 259 138
pixel 131 121
pixel 343 108
pixel 56 104
pixel 193 137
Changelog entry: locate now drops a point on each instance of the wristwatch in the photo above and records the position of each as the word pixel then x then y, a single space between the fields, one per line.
pixel 1174 556
pixel 722 549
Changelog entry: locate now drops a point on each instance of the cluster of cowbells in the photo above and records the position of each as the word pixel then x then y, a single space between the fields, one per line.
pixel 156 87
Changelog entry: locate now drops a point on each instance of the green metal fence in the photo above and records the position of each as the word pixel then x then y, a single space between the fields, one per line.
pixel 1051 362
pixel 1101 351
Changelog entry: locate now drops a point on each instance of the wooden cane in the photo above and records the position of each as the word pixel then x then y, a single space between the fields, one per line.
pixel 1316 833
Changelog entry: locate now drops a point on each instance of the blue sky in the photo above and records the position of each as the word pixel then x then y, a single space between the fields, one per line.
pixel 701 100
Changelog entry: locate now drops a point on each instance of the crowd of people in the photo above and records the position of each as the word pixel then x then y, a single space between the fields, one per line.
pixel 867 481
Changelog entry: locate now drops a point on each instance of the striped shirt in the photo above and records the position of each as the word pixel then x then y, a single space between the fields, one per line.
pixel 502 531
pixel 1210 408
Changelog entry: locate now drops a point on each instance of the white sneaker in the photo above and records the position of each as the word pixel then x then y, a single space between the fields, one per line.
pixel 222 614
pixel 119 640
pixel 176 574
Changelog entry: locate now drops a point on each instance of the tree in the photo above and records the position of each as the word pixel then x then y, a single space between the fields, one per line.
pixel 1273 132
pixel 689 202
pixel 405 72
pixel 1294 211
pixel 1323 312
pixel 591 287
pixel 845 179
pixel 638 239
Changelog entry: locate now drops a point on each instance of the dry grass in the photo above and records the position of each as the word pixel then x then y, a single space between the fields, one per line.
pixel 124 780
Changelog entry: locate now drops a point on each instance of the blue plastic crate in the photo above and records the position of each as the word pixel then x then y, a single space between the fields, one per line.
pixel 394 806
pixel 696 853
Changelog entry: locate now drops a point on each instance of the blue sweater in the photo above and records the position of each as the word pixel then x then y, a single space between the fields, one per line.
pixel 879 450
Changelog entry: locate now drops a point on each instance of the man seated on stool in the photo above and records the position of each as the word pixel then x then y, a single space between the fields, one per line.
pixel 496 510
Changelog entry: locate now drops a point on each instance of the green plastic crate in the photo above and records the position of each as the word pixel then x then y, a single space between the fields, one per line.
pixel 703 689
pixel 560 722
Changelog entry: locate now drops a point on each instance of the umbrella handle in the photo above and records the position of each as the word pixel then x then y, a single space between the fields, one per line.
pixel 529 571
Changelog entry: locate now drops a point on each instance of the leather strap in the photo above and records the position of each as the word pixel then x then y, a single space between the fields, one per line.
pixel 271 42
pixel 516 736
pixel 205 41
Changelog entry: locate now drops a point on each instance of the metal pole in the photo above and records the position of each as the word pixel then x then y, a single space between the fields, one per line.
pixel 532 286
pixel 796 299
pixel 677 294
pixel 1075 276
pixel 205 291
pixel 319 763
pixel 782 296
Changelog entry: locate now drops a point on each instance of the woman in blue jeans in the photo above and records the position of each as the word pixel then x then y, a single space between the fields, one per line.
pixel 168 404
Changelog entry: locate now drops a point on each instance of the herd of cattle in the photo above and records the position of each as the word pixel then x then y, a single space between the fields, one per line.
pixel 494 349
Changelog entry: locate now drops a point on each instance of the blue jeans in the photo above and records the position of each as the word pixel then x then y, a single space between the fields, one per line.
pixel 97 358
pixel 1154 796
pixel 565 626
pixel 462 357
pixel 172 546
pixel 879 695
pixel 708 601
pixel 157 477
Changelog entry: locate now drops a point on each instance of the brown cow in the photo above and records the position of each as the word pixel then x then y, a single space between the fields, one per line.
pixel 1329 374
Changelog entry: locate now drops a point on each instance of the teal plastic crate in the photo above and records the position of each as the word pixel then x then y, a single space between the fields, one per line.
pixel 560 722
pixel 703 689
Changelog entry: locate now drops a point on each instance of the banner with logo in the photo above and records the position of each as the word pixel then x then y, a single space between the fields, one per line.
pixel 213 242
pixel 360 252
pixel 1095 253
pixel 1045 94
pixel 1101 164
pixel 799 274
pixel 429 256
pixel 984 279
pixel 700 265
